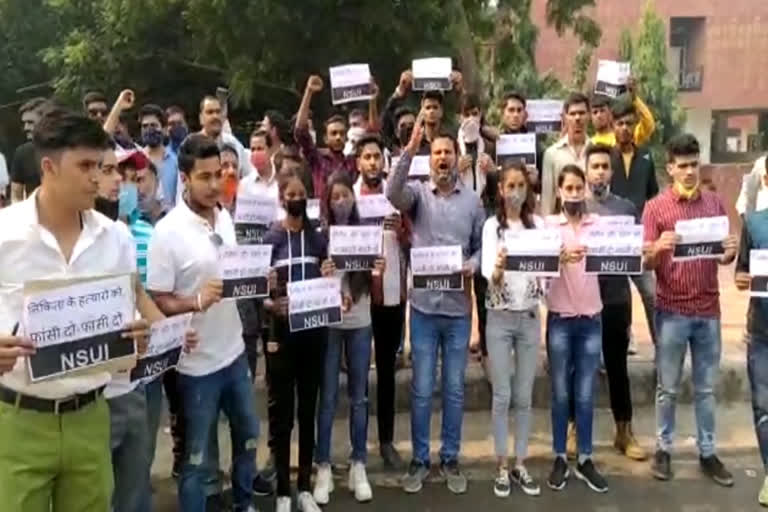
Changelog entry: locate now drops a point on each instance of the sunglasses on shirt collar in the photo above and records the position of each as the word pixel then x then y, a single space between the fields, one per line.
pixel 216 240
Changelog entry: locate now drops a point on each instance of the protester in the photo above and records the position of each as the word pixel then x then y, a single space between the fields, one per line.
pixel 753 195
pixel 25 166
pixel 183 276
pixel 151 209
pixel 617 303
pixel 292 358
pixel 279 129
pixel 605 118
pixel 573 336
pixel 443 212
pixel 95 106
pixel 66 419
pixel 353 339
pixel 212 120
pixel 153 122
pixel 263 182
pixel 514 117
pixel 687 308
pixel 176 128
pixel 570 149
pixel 754 236
pixel 513 324
pixel 230 179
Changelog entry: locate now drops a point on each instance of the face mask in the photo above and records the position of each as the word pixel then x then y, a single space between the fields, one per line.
pixel 296 207
pixel 128 199
pixel 599 190
pixel 313 134
pixel 259 159
pixel 106 207
pixel 515 198
pixel 686 193
pixel 152 138
pixel 405 134
pixel 342 210
pixel 177 135
pixel 230 189
pixel 372 181
pixel 573 208
pixel 470 128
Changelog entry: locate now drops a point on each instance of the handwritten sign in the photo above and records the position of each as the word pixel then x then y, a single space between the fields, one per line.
pixel 355 248
pixel 419 169
pixel 700 238
pixel 350 83
pixel 544 116
pixel 374 206
pixel 615 220
pixel 517 147
pixel 758 269
pixel 533 251
pixel 612 78
pixel 614 249
pixel 164 350
pixel 77 326
pixel 433 74
pixel 437 268
pixel 314 303
pixel 253 216
pixel 244 271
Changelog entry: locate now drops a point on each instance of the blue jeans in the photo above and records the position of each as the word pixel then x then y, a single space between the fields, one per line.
pixel 757 369
pixel 153 392
pixel 574 345
pixel 450 334
pixel 228 390
pixel 356 343
pixel 675 332
pixel 130 459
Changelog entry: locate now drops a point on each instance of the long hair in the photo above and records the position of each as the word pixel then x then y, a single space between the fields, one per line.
pixel 282 185
pixel 359 282
pixel 573 170
pixel 526 210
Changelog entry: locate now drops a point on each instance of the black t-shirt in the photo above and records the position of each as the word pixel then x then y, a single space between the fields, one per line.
pixel 25 168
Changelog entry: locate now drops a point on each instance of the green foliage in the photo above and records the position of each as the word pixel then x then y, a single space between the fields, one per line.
pixel 626 45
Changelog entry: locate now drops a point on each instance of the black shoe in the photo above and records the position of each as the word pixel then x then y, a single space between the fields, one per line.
pixel 391 457
pixel 714 469
pixel 269 473
pixel 588 473
pixel 559 475
pixel 262 486
pixel 661 466
pixel 176 470
pixel 215 503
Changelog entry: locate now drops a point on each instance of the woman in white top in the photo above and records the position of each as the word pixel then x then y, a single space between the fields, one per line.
pixel 513 324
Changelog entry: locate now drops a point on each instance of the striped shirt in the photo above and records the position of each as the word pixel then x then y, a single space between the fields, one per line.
pixel 141 232
pixel 683 287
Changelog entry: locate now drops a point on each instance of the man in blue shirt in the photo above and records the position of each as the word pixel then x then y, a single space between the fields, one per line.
pixel 152 121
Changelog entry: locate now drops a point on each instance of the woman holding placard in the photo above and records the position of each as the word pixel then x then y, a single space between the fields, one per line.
pixel 291 357
pixel 574 335
pixel 512 324
pixel 353 338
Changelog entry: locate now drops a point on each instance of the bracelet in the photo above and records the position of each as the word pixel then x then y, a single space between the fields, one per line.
pixel 199 302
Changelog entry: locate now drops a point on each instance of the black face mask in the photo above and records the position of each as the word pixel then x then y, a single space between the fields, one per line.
pixel 573 208
pixel 405 134
pixel 296 207
pixel 107 207
pixel 372 181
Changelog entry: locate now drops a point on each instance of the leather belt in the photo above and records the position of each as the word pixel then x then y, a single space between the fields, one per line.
pixel 60 406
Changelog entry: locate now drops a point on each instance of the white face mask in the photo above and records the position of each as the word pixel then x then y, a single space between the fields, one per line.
pixel 353 135
pixel 470 128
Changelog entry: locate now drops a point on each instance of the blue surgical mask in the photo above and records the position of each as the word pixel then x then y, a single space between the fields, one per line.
pixel 128 200
pixel 153 138
pixel 177 135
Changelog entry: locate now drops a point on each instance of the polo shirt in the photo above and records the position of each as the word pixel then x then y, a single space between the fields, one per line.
pixel 28 251
pixel 182 257
pixel 683 287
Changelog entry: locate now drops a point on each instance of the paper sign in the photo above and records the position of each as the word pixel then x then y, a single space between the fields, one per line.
pixel 758 269
pixel 517 147
pixel 253 216
pixel 437 268
pixel 350 83
pixel 164 350
pixel 355 248
pixel 700 238
pixel 244 271
pixel 78 326
pixel 419 168
pixel 314 303
pixel 614 249
pixel 533 251
pixel 615 220
pixel 612 78
pixel 432 74
pixel 374 206
pixel 544 116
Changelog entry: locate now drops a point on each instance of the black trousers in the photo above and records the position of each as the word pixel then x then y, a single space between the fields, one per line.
pixel 388 323
pixel 295 370
pixel 175 409
pixel 616 321
pixel 481 287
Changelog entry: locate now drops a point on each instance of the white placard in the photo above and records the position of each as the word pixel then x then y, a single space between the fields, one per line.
pixel 517 146
pixel 436 260
pixel 254 209
pixel 544 116
pixel 615 220
pixel 614 249
pixel 419 167
pixel 314 303
pixel 701 238
pixel 533 251
pixel 349 240
pixel 374 206
pixel 612 77
pixel 758 269
pixel 432 74
pixel 244 270
pixel 350 83
pixel 164 351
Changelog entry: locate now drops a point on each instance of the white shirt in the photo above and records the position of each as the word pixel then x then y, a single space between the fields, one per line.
pixel 181 259
pixel 557 156
pixel 28 251
pixel 4 179
pixel 255 185
pixel 754 194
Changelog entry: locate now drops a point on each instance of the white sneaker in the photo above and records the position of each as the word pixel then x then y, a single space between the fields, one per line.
pixel 307 503
pixel 323 484
pixel 358 482
pixel 283 504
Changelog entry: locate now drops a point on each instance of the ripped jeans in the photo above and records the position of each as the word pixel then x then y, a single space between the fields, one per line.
pixel 228 390
pixel 757 369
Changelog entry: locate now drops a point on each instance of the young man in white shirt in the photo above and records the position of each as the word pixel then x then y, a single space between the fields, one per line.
pixel 183 276
pixel 56 450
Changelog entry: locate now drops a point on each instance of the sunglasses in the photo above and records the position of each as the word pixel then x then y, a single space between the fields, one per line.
pixel 216 240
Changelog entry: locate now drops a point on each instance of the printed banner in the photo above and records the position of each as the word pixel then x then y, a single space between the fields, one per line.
pixel 355 248
pixel 350 83
pixel 518 147
pixel 544 116
pixel 314 303
pixel 533 251
pixel 245 270
pixel 166 342
pixel 700 238
pixel 433 74
pixel 437 268
pixel 612 78
pixel 614 249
